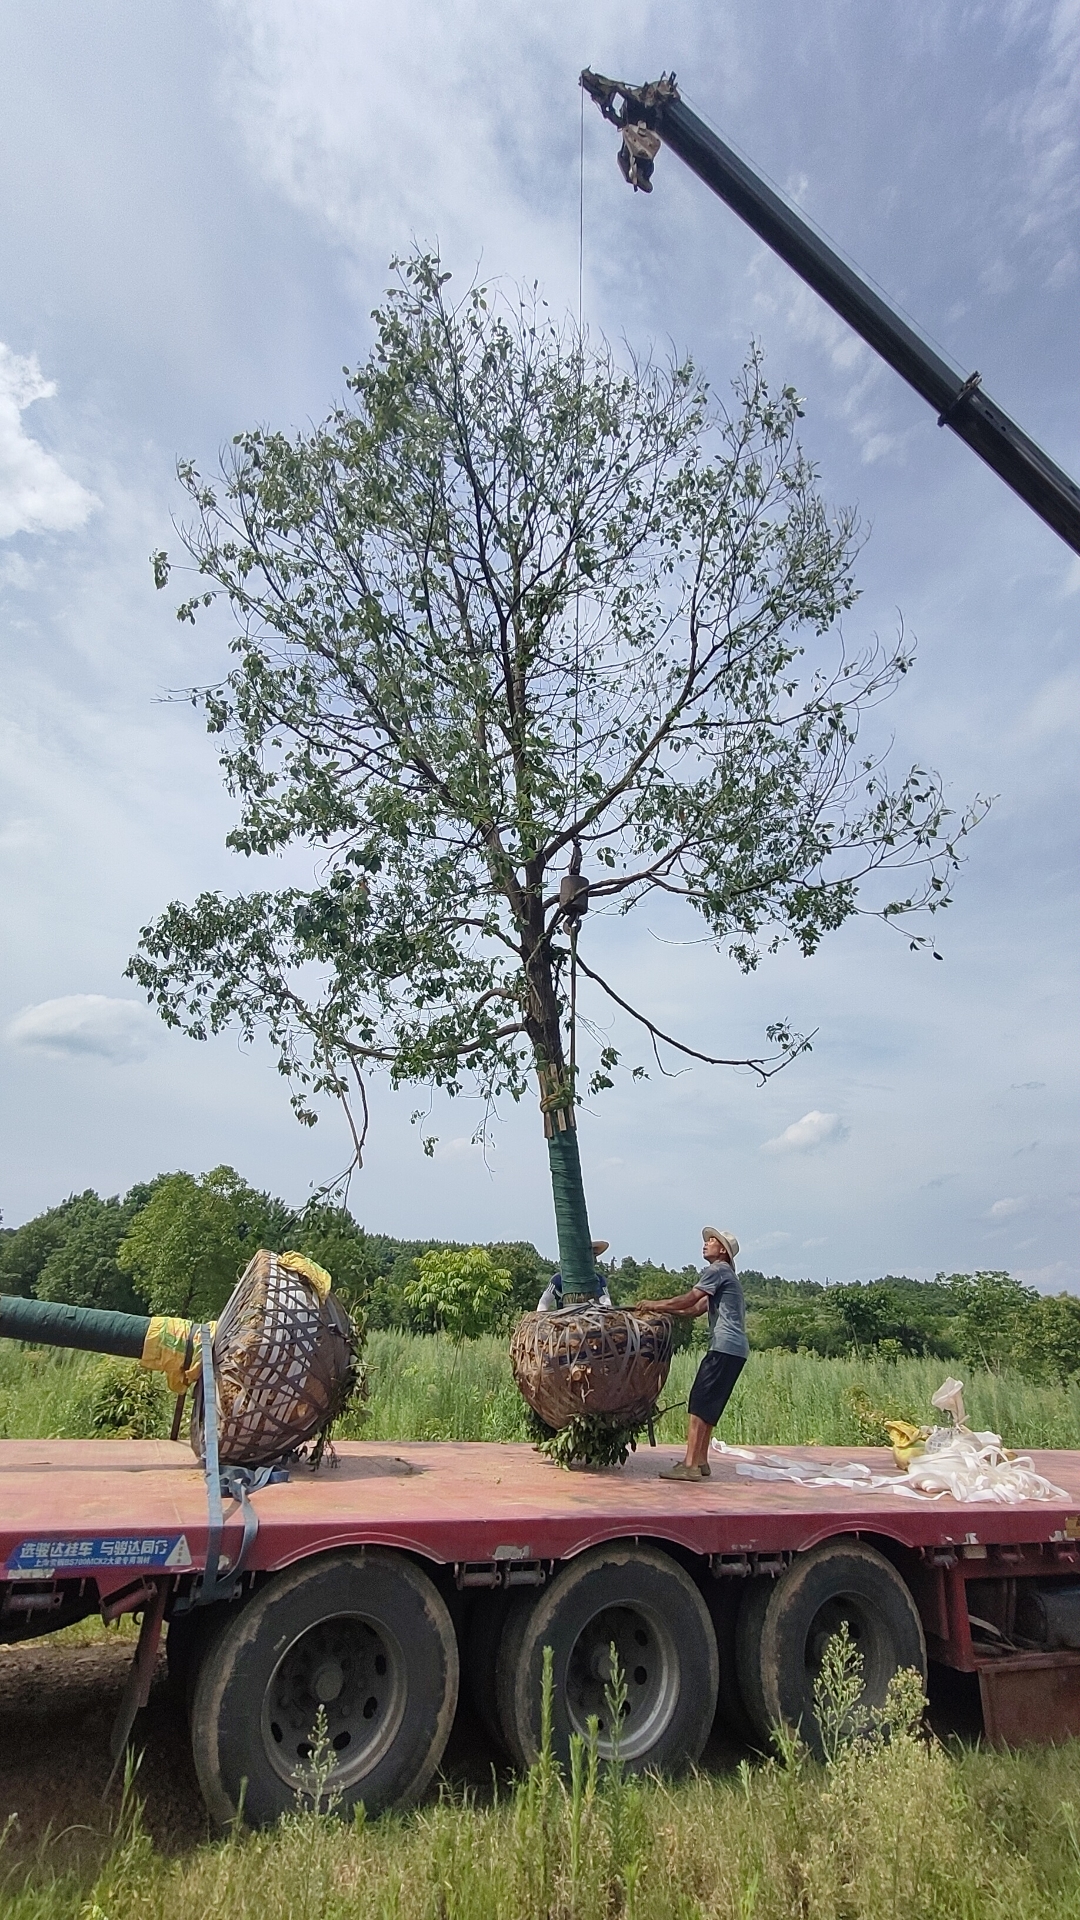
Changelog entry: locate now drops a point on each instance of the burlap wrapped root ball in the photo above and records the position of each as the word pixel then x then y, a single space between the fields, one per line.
pixel 597 1370
pixel 286 1364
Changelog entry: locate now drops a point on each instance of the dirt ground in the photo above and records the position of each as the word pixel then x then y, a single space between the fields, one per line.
pixel 57 1704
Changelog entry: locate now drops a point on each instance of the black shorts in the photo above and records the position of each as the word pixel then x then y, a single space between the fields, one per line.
pixel 713 1385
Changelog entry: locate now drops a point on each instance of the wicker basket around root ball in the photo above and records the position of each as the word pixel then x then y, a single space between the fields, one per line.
pixel 602 1361
pixel 285 1365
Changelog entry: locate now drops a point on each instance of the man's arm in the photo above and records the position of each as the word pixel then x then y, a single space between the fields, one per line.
pixel 694 1303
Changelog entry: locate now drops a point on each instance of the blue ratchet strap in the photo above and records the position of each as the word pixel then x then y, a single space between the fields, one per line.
pixel 210 1587
pixel 235 1483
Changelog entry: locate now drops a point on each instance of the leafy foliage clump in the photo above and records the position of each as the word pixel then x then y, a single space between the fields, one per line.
pixel 589 1441
pixel 69 1252
pixel 983 1320
pixel 121 1401
pixel 463 1294
pixel 188 1246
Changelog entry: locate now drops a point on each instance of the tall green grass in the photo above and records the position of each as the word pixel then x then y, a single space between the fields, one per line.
pixel 893 1828
pixel 422 1388
pixel 425 1388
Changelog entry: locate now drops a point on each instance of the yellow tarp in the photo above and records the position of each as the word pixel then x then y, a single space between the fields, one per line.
pixel 299 1263
pixel 165 1350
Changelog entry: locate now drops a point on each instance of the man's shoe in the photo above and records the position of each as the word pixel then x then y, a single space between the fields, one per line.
pixel 680 1471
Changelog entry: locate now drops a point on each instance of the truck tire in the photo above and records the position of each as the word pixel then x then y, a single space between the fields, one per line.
pixel 186 1640
pixel 729 1602
pixel 482 1639
pixel 748 1627
pixel 645 1603
pixel 365 1635
pixel 784 1626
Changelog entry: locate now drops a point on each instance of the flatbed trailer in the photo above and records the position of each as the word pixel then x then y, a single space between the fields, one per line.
pixel 342 1609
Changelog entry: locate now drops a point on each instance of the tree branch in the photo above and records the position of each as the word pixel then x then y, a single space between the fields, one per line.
pixel 763 1070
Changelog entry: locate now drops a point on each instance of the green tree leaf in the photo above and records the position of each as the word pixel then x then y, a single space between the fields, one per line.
pixel 461 1293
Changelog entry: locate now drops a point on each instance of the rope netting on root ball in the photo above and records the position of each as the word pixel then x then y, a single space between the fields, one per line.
pixel 592 1377
pixel 285 1363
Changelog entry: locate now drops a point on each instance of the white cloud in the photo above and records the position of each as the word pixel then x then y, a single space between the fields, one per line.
pixel 462 1147
pixel 1043 118
pixel 1058 1277
pixel 813 1130
pixel 765 1241
pixel 81 1023
pixel 36 495
pixel 14 572
pixel 21 835
pixel 413 159
pixel 1008 1209
pixel 1054 707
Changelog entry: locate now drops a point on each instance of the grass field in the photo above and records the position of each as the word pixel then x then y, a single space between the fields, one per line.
pixel 905 1831
pixel 423 1388
pixel 897 1829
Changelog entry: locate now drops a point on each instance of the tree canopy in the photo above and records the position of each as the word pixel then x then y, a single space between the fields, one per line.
pixel 520 615
pixel 979 1320
pixel 459 1292
pixel 186 1248
pixel 69 1252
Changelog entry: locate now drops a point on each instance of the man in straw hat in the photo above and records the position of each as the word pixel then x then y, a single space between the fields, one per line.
pixel 719 1294
pixel 552 1297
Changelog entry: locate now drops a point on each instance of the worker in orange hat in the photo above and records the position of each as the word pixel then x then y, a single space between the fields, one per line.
pixel 718 1293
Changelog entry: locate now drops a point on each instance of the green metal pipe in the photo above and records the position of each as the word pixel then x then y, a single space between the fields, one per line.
pixel 49 1323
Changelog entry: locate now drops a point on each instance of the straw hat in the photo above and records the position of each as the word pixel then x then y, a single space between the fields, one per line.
pixel 600 1246
pixel 727 1240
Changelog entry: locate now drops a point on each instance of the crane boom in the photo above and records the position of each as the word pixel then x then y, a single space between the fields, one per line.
pixel 651 115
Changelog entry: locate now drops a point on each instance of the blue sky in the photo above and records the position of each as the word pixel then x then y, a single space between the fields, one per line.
pixel 202 201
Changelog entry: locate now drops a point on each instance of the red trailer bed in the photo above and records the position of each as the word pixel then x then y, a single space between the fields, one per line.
pixel 474 1502
pixel 381 1575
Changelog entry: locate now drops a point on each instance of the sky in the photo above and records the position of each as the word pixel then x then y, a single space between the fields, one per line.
pixel 202 200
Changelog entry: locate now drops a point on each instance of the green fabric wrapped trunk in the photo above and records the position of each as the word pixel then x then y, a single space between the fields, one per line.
pixel 49 1323
pixel 576 1261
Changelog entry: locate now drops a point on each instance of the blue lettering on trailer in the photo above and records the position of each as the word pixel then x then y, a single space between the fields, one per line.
pixel 48 1556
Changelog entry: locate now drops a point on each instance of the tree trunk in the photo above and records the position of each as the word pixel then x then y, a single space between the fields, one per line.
pixel 576 1262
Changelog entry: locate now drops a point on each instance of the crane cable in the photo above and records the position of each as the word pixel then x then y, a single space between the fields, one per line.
pixel 574 919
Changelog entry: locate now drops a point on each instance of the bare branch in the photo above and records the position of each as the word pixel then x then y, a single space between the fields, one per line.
pixel 763 1068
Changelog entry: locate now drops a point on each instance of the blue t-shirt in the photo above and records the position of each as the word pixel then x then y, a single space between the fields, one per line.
pixel 727 1308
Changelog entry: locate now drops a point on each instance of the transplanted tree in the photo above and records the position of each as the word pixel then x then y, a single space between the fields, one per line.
pixel 516 608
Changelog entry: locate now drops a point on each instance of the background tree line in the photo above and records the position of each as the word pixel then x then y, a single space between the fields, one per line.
pixel 176 1244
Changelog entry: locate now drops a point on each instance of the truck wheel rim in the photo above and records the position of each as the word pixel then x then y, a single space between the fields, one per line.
pixel 866 1632
pixel 649 1662
pixel 354 1670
